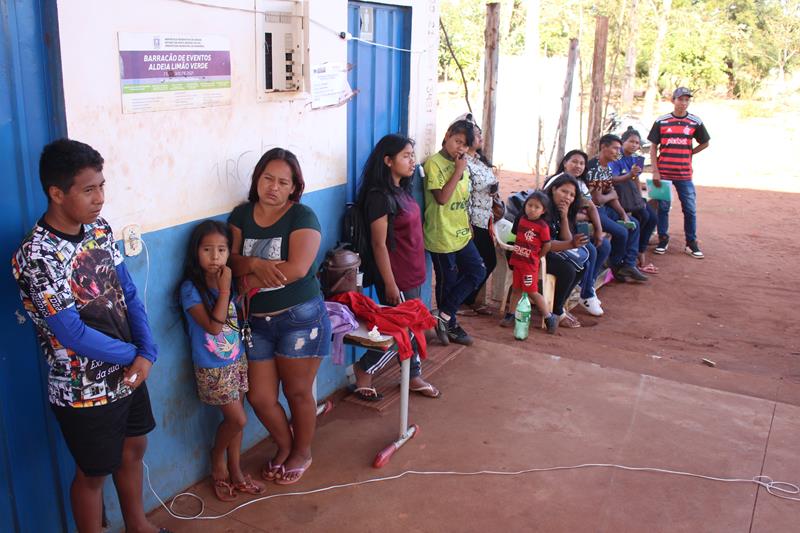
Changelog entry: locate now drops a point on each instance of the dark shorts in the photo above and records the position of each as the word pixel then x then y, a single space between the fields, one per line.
pixel 301 331
pixel 95 435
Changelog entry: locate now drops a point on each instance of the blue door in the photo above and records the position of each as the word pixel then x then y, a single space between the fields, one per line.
pixel 35 468
pixel 381 78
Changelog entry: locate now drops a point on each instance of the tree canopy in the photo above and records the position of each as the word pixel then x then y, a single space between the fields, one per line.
pixel 727 46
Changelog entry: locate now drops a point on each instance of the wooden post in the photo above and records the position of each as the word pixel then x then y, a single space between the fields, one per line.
pixel 598 84
pixel 491 57
pixel 566 99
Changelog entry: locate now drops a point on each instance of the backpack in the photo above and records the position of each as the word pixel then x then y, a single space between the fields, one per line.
pixel 356 237
pixel 514 204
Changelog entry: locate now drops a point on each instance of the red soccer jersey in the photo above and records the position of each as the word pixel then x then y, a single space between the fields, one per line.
pixel 531 236
pixel 674 136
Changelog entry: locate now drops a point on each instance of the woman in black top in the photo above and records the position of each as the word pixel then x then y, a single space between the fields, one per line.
pixel 565 260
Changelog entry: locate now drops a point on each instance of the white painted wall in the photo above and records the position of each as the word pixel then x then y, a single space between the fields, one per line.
pixel 166 168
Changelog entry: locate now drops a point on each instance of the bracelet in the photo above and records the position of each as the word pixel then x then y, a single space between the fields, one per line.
pixel 217 321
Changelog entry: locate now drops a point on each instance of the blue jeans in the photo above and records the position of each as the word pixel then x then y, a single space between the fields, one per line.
pixel 303 330
pixel 457 275
pixel 597 256
pixel 647 222
pixel 688 197
pixel 624 242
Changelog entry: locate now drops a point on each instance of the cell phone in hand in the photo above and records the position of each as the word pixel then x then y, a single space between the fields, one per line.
pixel 582 228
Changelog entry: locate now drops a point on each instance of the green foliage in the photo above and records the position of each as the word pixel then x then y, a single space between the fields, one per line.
pixel 711 45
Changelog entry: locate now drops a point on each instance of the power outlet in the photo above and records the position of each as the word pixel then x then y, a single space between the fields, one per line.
pixel 132 239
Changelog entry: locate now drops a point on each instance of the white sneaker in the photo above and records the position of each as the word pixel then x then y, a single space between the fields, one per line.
pixel 592 306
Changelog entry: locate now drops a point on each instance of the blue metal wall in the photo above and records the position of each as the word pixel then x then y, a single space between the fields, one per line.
pixel 34 463
pixel 381 77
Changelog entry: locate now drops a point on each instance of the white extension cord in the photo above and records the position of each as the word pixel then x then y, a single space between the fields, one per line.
pixel 779 489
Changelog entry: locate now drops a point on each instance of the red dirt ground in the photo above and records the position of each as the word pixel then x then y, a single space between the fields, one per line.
pixel 737 307
pixel 628 388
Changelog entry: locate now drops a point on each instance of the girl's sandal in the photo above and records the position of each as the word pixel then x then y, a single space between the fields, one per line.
pixel 297 473
pixel 271 472
pixel 224 491
pixel 568 321
pixel 250 487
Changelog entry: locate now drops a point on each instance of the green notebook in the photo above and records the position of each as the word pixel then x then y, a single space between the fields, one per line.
pixel 659 193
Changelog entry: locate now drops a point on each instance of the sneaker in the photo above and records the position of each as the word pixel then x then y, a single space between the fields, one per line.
pixel 592 306
pixel 508 321
pixel 693 250
pixel 551 321
pixel 630 271
pixel 441 328
pixel 663 244
pixel 459 336
pixel 618 276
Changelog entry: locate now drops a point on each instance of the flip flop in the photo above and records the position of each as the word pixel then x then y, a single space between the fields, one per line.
pixel 428 391
pixel 568 321
pixel 368 394
pixel 650 268
pixel 299 471
pixel 270 472
pixel 224 491
pixel 250 487
pixel 484 310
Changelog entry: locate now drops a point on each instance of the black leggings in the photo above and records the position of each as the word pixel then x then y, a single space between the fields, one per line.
pixel 483 242
pixel 566 279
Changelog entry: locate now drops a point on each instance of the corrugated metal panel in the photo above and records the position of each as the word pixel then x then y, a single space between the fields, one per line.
pixel 34 465
pixel 381 76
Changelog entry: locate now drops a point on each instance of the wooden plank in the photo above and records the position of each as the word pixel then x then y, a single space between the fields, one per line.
pixel 387 381
pixel 491 60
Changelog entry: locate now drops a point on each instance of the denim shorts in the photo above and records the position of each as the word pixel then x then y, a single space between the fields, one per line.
pixel 300 331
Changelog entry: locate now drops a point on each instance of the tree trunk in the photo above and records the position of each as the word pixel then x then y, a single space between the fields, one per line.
pixel 491 57
pixel 655 62
pixel 629 79
pixel 598 84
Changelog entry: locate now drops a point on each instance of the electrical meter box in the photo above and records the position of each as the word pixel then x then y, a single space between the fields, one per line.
pixel 281 29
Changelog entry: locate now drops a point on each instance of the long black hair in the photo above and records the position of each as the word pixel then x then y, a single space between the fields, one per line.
pixel 568 156
pixel 191 264
pixel 376 175
pixel 278 154
pixel 572 212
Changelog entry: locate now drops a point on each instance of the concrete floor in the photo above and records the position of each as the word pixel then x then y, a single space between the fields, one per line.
pixel 508 407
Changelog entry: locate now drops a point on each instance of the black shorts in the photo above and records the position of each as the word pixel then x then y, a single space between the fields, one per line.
pixel 95 435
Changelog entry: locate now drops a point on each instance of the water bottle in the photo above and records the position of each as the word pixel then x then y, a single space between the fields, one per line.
pixel 522 318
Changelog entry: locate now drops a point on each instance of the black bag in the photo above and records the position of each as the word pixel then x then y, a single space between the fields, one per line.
pixel 514 204
pixel 356 237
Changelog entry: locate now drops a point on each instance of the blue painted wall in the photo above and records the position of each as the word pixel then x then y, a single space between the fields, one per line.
pixel 33 480
pixel 35 467
pixel 178 448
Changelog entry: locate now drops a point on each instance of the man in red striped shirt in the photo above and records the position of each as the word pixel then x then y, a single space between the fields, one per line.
pixel 672 137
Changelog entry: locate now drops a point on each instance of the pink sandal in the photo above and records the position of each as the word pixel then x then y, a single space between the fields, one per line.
pixel 224 490
pixel 271 472
pixel 250 487
pixel 299 471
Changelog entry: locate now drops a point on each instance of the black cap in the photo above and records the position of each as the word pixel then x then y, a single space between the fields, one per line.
pixel 681 91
